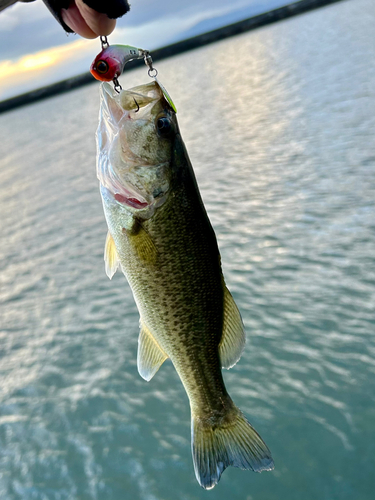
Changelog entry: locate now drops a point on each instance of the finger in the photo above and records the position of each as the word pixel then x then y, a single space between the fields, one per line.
pixel 73 18
pixel 98 23
pixel 90 18
pixel 85 21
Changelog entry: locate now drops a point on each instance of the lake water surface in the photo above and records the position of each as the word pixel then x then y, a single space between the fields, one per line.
pixel 279 124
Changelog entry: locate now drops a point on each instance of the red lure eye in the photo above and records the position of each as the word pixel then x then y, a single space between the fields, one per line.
pixel 102 67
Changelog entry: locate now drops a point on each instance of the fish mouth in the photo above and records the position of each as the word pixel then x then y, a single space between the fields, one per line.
pixel 123 173
pixel 123 193
pixel 131 202
pixel 135 197
pixel 127 199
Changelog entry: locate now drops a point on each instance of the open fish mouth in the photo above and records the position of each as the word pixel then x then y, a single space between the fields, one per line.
pixel 126 200
pixel 126 194
pixel 132 179
pixel 123 192
pixel 131 202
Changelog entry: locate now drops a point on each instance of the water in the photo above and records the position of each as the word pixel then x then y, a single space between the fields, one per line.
pixel 279 124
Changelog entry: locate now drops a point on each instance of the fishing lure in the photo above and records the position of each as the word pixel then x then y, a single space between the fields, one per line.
pixel 110 63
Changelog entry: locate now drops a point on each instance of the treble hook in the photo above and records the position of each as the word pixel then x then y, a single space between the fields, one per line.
pixel 136 105
pixel 117 85
pixel 105 45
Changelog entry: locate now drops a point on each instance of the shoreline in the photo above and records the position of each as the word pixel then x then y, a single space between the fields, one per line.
pixel 237 28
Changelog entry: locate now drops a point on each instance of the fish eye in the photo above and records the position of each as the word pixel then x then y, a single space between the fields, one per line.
pixel 164 125
pixel 102 67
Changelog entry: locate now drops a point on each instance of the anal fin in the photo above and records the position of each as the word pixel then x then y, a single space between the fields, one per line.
pixel 233 337
pixel 150 354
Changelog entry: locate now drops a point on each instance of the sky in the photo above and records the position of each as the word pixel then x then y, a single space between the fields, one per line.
pixel 36 51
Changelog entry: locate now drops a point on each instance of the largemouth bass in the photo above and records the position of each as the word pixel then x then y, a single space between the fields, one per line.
pixel 160 235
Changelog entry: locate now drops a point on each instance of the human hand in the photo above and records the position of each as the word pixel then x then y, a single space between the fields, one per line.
pixel 88 18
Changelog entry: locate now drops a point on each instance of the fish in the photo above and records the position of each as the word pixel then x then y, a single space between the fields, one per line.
pixel 110 62
pixel 160 236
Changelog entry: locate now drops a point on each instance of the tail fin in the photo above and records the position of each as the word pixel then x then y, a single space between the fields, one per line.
pixel 233 441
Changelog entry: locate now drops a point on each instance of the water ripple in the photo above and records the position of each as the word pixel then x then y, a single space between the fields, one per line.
pixel 280 134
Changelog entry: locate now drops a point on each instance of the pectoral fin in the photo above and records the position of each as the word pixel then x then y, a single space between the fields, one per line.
pixel 142 243
pixel 150 355
pixel 233 338
pixel 111 258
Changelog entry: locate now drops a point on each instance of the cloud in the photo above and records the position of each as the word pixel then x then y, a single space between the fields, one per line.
pixel 41 68
pixel 149 25
pixel 145 11
pixel 16 15
pixel 160 31
pixel 45 58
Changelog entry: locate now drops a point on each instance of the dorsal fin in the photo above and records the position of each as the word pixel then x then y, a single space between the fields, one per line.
pixel 111 258
pixel 150 355
pixel 233 338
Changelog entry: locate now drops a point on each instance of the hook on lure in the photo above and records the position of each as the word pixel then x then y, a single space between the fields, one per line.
pixel 110 62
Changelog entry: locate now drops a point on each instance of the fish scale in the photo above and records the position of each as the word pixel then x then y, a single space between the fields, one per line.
pixel 168 251
pixel 182 287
